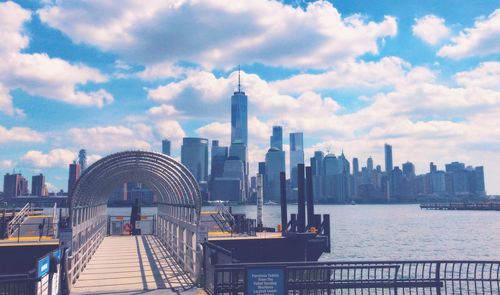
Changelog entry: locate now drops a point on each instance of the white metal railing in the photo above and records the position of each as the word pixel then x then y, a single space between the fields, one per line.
pixel 78 260
pixel 19 218
pixel 187 255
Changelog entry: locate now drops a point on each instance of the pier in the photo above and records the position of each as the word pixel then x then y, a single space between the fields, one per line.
pixel 181 249
pixel 493 206
pixel 132 263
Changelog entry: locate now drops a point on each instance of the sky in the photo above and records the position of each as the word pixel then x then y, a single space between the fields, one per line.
pixel 108 76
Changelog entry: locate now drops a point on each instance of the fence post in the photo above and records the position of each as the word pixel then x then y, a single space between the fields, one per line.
pixel 438 278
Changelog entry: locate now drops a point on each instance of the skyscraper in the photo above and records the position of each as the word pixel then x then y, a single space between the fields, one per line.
pixel 388 158
pixel 296 155
pixel 14 185
pixel 409 170
pixel 74 174
pixel 194 155
pixel 275 164
pixel 317 171
pixel 82 160
pixel 219 156
pixel 369 164
pixel 239 116
pixel 355 166
pixel 276 140
pixel 165 147
pixel 38 187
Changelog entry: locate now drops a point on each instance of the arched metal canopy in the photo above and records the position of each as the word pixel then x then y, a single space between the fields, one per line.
pixel 171 182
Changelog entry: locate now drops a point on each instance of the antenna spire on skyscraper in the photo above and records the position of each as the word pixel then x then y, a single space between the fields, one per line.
pixel 239 78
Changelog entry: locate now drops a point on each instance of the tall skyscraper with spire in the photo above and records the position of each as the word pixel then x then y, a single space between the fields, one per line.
pixel 239 115
pixel 239 132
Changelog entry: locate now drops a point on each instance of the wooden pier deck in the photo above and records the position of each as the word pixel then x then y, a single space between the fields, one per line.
pixel 125 264
pixel 493 206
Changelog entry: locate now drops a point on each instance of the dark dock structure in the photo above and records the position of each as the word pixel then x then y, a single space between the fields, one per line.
pixel 490 206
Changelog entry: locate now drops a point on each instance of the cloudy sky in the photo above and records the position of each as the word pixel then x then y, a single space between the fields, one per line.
pixel 107 76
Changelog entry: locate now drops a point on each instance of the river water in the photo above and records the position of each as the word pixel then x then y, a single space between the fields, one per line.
pixel 396 231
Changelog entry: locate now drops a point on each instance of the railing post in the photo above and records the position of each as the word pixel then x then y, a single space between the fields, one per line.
pixel 438 278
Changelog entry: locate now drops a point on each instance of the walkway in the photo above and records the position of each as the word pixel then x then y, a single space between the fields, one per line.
pixel 130 265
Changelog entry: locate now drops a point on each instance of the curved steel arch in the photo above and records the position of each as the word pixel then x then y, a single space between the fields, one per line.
pixel 176 191
pixel 171 181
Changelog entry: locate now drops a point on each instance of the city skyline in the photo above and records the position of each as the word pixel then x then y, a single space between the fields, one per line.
pixel 430 93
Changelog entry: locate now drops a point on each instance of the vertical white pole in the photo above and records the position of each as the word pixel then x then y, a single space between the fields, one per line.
pixel 260 200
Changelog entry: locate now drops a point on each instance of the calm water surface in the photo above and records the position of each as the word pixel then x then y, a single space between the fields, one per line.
pixel 396 231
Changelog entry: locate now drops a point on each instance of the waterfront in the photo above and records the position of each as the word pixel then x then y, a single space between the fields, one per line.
pixel 399 232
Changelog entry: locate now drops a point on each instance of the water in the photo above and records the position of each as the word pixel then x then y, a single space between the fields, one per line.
pixel 402 232
pixel 395 231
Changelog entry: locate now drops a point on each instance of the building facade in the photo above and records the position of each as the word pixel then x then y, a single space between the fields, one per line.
pixel 194 155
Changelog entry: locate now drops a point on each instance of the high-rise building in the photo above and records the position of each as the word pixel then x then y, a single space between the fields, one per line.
pixel 296 155
pixel 262 168
pixel 355 166
pixel 194 155
pixel 74 174
pixel 432 167
pixel 479 181
pixel 369 164
pixel 388 158
pixel 454 167
pixel 14 185
pixel 275 164
pixel 409 169
pixel 239 116
pixel 276 140
pixel 219 156
pixel 238 150
pixel 38 187
pixel 82 160
pixel 165 147
pixel 317 172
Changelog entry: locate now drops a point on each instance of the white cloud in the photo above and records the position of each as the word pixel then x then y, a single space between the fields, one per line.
pixel 160 70
pixel 430 29
pixel 55 158
pixel 202 94
pixel 6 105
pixel 486 75
pixel 6 164
pixel 109 138
pixel 163 111
pixel 218 131
pixel 20 134
pixel 257 31
pixel 481 39
pixel 350 74
pixel 38 74
pixel 51 188
pixel 171 130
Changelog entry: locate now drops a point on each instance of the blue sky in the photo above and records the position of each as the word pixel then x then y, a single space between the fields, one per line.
pixel 107 76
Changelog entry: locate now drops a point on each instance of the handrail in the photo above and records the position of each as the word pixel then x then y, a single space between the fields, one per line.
pixel 225 215
pixel 18 219
pixel 77 266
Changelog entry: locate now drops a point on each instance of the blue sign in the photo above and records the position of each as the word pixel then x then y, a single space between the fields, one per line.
pixel 43 266
pixel 266 281
pixel 57 254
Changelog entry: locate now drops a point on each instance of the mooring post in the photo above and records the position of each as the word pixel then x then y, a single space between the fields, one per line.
pixel 284 213
pixel 301 212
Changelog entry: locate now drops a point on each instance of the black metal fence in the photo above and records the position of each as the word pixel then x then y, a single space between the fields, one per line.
pixel 17 284
pixel 380 277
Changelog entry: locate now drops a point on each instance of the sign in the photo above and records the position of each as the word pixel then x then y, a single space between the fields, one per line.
pixel 56 277
pixel 266 281
pixel 43 266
